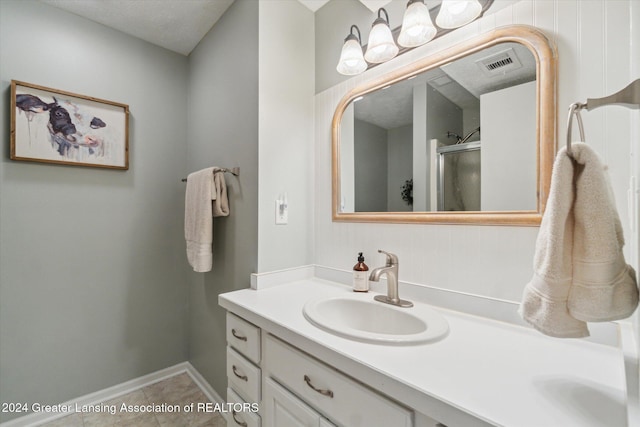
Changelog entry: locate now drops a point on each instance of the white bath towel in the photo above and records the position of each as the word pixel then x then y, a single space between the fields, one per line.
pixel 579 270
pixel 206 197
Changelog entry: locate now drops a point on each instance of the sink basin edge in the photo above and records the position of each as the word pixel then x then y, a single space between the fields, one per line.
pixel 360 318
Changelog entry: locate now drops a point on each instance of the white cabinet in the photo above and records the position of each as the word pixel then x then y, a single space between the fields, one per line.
pixel 343 400
pixel 240 418
pixel 283 409
pixel 296 390
pixel 244 374
pixel 244 337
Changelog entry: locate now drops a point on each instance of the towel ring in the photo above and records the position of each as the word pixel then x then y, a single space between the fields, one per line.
pixel 574 110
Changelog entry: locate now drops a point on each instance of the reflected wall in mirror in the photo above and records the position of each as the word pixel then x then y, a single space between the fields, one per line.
pixel 464 136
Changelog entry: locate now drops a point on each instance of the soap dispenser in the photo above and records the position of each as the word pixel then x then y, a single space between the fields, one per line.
pixel 360 275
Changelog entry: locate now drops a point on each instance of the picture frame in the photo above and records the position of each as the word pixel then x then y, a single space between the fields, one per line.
pixel 54 126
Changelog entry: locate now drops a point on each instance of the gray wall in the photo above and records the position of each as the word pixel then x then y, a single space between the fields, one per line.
pixel 370 170
pixel 223 131
pixel 383 162
pixel 442 116
pixel 399 166
pixel 92 281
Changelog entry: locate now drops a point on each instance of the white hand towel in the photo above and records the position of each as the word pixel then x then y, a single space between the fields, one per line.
pixel 579 270
pixel 544 303
pixel 203 187
pixel 604 287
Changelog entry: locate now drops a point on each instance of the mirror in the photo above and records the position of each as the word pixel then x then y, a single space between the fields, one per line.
pixel 466 135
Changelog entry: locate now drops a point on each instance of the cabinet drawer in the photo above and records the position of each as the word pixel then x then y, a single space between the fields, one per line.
pixel 244 337
pixel 243 376
pixel 240 419
pixel 281 408
pixel 339 397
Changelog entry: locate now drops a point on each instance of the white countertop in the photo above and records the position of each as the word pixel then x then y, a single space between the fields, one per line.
pixel 485 370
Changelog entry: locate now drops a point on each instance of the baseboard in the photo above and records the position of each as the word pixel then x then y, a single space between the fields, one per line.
pixel 118 390
pixel 203 384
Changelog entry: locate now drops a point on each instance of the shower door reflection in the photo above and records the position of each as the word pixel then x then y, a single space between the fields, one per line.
pixel 459 177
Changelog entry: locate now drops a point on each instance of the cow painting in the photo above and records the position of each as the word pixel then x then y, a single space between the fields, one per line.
pixel 58 127
pixel 70 132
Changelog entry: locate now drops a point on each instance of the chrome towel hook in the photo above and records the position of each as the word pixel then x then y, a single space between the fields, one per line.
pixel 574 110
pixel 628 97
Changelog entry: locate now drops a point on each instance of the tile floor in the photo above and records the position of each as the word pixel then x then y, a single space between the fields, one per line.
pixel 174 392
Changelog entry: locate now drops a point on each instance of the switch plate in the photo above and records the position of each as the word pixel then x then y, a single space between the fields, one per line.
pixel 282 212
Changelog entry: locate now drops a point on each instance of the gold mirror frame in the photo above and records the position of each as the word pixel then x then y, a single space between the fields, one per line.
pixel 546 58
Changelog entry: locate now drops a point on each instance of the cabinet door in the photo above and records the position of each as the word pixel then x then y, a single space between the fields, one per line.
pixel 283 409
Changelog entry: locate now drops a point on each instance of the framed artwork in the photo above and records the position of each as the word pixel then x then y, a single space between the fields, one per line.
pixel 53 126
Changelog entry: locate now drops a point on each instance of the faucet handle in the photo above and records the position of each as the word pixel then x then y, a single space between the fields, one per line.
pixel 392 259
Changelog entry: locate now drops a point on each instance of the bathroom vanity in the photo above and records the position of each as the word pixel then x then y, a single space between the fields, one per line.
pixel 484 372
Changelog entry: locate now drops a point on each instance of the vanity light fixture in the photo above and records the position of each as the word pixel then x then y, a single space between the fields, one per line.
pixel 351 59
pixel 417 27
pixel 381 46
pixel 456 13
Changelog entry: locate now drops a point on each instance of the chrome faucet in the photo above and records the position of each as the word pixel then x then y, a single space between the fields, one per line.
pixel 391 270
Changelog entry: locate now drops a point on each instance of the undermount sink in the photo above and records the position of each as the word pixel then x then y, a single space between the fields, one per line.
pixel 359 317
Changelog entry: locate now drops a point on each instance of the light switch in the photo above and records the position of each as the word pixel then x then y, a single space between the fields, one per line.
pixel 282 210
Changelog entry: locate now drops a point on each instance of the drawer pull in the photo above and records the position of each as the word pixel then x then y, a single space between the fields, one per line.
pixel 235 372
pixel 235 334
pixel 328 393
pixel 240 423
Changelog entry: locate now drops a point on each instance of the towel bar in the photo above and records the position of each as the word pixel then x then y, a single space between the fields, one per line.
pixel 628 97
pixel 233 171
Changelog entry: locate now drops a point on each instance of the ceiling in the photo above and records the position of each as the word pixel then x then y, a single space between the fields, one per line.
pixel 177 25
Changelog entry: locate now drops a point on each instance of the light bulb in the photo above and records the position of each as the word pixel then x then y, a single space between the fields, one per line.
pixel 351 59
pixel 417 28
pixel 381 46
pixel 456 13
